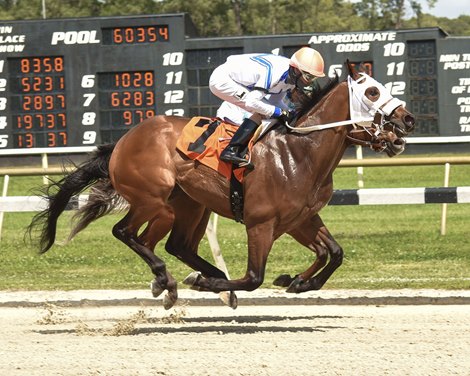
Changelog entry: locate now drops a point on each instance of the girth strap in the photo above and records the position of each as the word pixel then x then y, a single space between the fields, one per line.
pixel 236 197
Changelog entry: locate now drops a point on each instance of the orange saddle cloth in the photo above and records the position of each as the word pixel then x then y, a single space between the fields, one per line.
pixel 203 139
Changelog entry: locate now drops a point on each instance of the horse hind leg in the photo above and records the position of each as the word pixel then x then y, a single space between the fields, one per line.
pixel 127 229
pixel 155 231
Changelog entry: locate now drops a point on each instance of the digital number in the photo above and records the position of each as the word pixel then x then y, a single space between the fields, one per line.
pixel 394 49
pixel 25 140
pixel 423 87
pixel 422 68
pixel 3 141
pixel 140 34
pixel 56 139
pixel 174 96
pixel 40 121
pixel 46 102
pixel 41 65
pixel 173 58
pixel 174 78
pixel 136 116
pixel 89 137
pixel 88 99
pixel 424 106
pixel 132 99
pixel 335 69
pixel 395 68
pixel 421 49
pixel 88 118
pixel 175 111
pixel 134 79
pixel 396 88
pixel 42 84
pixel 88 81
pixel 427 126
pixel 38 101
pixel 126 98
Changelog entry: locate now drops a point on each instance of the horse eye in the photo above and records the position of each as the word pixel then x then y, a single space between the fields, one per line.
pixel 372 92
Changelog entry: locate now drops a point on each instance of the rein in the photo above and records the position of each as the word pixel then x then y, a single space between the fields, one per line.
pixel 319 127
pixel 374 131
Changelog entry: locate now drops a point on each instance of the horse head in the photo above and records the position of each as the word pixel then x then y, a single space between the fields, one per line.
pixel 391 120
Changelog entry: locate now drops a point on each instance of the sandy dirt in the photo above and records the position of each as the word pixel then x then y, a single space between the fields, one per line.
pixel 252 340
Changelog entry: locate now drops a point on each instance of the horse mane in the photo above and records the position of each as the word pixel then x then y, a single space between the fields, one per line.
pixel 318 95
pixel 309 103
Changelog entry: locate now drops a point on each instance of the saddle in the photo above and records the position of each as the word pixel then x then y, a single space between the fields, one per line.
pixel 202 140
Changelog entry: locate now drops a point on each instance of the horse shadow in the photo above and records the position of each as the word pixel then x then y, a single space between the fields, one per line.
pixel 224 325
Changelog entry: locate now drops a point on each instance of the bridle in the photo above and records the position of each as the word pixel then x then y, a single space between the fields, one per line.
pixel 376 134
pixel 368 118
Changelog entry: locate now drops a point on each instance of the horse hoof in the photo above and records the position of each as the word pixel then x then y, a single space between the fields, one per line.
pixel 169 300
pixel 192 279
pixel 229 299
pixel 156 289
pixel 284 280
pixel 295 285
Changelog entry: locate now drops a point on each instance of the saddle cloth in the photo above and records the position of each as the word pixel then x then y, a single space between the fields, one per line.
pixel 203 139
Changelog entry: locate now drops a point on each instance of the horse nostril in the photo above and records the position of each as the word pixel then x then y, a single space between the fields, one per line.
pixel 409 121
pixel 399 142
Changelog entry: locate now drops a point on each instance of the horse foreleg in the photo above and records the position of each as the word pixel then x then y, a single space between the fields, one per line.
pixel 191 219
pixel 336 259
pixel 260 241
pixel 314 235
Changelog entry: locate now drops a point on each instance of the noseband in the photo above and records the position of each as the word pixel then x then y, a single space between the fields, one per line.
pixel 374 136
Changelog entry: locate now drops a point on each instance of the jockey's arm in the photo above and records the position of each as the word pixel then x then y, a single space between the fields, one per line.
pixel 254 103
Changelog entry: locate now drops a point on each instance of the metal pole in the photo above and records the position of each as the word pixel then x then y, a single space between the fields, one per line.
pixel 360 169
pixel 6 180
pixel 44 9
pixel 45 166
pixel 444 206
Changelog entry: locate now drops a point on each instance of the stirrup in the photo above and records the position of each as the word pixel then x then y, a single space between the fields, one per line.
pixel 247 164
pixel 239 162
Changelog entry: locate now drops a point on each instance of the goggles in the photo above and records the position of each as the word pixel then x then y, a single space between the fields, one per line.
pixel 307 76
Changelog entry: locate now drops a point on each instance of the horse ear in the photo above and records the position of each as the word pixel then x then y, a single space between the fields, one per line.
pixel 352 72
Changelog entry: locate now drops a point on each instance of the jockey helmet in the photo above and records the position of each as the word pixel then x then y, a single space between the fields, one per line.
pixel 309 61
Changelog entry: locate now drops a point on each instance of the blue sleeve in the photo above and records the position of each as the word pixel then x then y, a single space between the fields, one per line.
pixel 277 112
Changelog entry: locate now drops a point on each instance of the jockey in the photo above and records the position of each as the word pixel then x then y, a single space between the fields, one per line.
pixel 256 83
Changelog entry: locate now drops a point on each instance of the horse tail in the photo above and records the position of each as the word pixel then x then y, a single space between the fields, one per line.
pixel 93 171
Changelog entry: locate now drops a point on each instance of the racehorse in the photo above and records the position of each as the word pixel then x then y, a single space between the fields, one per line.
pixel 170 193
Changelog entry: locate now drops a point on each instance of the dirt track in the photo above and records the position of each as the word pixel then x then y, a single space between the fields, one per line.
pixel 213 340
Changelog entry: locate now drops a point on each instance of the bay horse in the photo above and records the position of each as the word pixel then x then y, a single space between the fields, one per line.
pixel 169 193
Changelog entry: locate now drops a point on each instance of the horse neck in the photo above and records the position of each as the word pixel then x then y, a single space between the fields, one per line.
pixel 308 160
pixel 329 143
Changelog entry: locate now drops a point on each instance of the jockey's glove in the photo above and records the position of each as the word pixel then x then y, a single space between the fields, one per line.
pixel 286 116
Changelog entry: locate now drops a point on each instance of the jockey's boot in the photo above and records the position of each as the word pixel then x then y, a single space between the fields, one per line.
pixel 238 143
